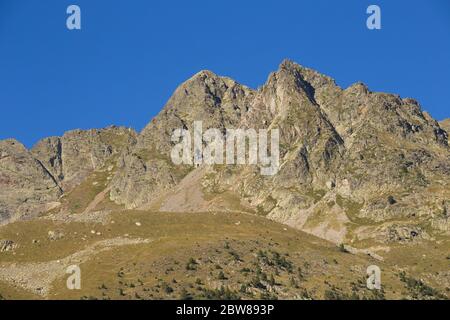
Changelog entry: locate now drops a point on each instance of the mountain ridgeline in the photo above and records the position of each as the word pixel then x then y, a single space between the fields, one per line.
pixel 355 165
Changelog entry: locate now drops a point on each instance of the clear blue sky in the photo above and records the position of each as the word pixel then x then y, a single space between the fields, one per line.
pixel 130 55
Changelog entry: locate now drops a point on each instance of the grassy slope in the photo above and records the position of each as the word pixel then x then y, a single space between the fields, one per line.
pixel 206 255
pixel 196 255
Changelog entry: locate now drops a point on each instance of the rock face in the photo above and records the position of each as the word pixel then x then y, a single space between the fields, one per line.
pixel 25 185
pixel 147 169
pixel 73 156
pixel 349 156
pixel 355 164
pixel 445 124
pixel 32 181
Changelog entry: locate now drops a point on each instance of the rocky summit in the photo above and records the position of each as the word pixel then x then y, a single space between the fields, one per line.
pixel 33 181
pixel 365 170
pixel 354 163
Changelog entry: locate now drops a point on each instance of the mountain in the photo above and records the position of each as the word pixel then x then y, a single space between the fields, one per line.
pixel 355 164
pixel 32 181
pixel 26 185
pixel 367 171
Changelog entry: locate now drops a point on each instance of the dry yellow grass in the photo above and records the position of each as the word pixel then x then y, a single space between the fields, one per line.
pixel 243 247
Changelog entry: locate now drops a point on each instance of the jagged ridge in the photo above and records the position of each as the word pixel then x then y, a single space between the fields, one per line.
pixel 351 158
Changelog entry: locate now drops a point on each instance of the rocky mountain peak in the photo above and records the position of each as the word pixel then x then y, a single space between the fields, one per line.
pixel 32 181
pixel 12 145
pixel 290 78
pixel 358 88
pixel 349 157
pixel 25 184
